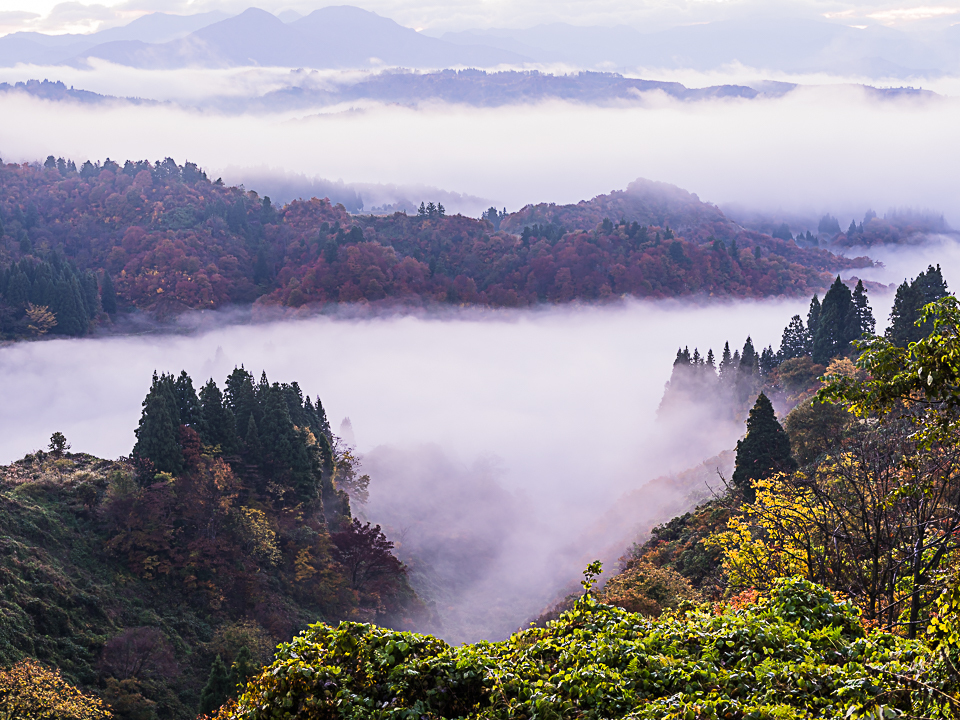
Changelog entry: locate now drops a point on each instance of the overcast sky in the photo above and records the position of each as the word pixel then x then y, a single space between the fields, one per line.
pixel 58 17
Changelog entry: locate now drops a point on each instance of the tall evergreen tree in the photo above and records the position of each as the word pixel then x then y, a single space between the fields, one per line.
pixel 768 360
pixel 323 422
pixel 727 370
pixel 108 295
pixel 865 320
pixel 838 325
pixel 187 402
pixel 242 670
pixel 216 425
pixel 764 451
pixel 159 425
pixel 218 689
pixel 253 449
pixel 909 301
pixel 813 318
pixel 795 341
pixel 748 373
pixel 242 398
pixel 284 448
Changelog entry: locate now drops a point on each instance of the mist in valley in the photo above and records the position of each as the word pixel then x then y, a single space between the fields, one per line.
pixel 813 149
pixel 507 449
pixel 497 441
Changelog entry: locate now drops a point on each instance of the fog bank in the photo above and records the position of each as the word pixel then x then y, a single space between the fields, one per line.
pixel 813 148
pixel 514 430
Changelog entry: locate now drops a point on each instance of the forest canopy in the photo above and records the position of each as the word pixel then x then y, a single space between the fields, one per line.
pixel 80 244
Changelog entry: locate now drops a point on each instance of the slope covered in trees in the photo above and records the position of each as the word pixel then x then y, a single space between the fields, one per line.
pixel 873 517
pixel 797 653
pixel 158 580
pixel 85 242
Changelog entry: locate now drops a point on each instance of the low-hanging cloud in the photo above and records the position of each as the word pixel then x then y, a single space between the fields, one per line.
pixel 507 448
pixel 816 148
pixel 513 431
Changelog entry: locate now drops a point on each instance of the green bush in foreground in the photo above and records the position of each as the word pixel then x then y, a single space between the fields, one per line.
pixel 797 653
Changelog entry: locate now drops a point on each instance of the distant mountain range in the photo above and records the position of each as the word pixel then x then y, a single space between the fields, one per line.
pixel 348 37
pixel 476 88
pixel 331 37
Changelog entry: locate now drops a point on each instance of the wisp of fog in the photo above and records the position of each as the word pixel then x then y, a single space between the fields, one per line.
pixel 813 148
pixel 498 435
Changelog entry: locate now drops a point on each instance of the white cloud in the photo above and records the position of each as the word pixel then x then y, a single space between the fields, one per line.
pixel 814 149
pixel 914 13
pixel 461 14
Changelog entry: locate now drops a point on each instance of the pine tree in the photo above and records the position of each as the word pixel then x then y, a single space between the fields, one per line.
pixel 795 341
pixel 323 422
pixel 838 325
pixel 813 319
pixel 764 451
pixel 218 689
pixel 187 402
pixel 865 320
pixel 768 360
pixel 909 301
pixel 251 442
pixel 748 374
pixel 284 448
pixel 276 428
pixel 108 295
pixel 242 398
pixel 727 369
pixel 242 670
pixel 159 425
pixel 216 424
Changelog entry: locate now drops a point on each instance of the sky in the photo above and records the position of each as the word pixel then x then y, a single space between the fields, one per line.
pixel 58 17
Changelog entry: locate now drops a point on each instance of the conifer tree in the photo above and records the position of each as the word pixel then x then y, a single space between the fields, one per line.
pixel 108 295
pixel 867 324
pixel 242 670
pixel 727 368
pixel 747 373
pixel 216 423
pixel 795 341
pixel 764 451
pixel 218 689
pixel 159 425
pixel 909 301
pixel 187 402
pixel 768 360
pixel 241 398
pixel 251 442
pixel 813 318
pixel 837 326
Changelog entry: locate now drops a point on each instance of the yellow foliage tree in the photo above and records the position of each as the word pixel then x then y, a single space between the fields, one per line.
pixel 260 537
pixel 772 538
pixel 31 690
pixel 40 319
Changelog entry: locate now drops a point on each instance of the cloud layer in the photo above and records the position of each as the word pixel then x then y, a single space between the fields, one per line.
pixel 815 150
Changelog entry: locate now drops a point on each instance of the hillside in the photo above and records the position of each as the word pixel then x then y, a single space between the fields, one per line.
pixel 796 653
pixel 132 576
pixel 163 238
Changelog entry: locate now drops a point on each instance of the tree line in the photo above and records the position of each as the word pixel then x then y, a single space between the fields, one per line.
pixel 161 237
pixel 40 296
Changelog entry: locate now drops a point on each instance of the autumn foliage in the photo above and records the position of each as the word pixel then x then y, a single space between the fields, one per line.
pixel 164 238
pixel 31 690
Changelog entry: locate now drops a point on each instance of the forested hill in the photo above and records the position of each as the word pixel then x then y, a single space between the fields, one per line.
pixel 163 238
pixel 140 578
